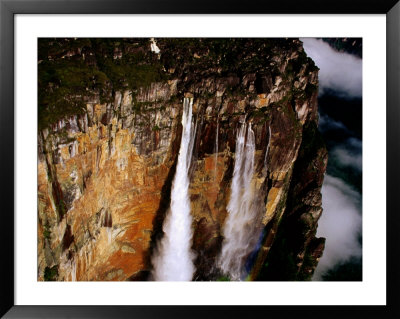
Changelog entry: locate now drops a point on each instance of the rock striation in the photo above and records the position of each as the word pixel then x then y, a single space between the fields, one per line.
pixel 109 134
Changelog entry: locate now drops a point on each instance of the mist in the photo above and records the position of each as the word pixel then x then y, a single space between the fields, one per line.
pixel 240 230
pixel 347 155
pixel 173 257
pixel 340 99
pixel 340 224
pixel 341 72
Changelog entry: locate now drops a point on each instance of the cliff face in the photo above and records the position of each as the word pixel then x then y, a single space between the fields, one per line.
pixel 107 161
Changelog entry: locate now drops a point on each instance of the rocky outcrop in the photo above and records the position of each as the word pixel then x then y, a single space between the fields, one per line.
pixel 105 165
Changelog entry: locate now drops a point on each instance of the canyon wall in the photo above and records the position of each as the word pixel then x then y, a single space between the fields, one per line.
pixel 108 148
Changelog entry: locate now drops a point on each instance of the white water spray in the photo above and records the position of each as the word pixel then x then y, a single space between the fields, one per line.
pixel 73 270
pixel 240 228
pixel 216 149
pixel 173 259
pixel 109 234
pixel 266 152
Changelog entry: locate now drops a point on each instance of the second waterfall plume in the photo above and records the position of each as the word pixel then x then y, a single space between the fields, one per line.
pixel 173 259
pixel 239 232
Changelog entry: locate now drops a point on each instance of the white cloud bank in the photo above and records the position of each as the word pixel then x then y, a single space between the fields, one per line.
pixel 339 71
pixel 340 224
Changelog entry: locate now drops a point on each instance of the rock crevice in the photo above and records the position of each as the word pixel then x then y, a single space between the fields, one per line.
pixel 105 169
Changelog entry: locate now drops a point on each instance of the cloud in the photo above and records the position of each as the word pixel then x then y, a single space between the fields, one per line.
pixel 341 220
pixel 339 71
pixel 326 123
pixel 348 153
pixel 340 224
pixel 347 159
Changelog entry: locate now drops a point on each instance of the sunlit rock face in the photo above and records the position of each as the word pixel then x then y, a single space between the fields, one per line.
pixel 105 173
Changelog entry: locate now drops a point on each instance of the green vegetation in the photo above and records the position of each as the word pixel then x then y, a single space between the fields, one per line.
pixel 71 71
pixel 46 231
pixel 207 95
pixel 51 274
pixel 238 113
pixel 260 115
pixel 229 55
pixel 312 141
pixel 61 208
pixel 61 87
pixel 310 89
pixel 295 66
pixel 303 95
pixel 223 278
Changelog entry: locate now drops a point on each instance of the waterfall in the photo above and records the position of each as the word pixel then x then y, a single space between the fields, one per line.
pixel 265 169
pixel 109 234
pixel 216 149
pixel 73 270
pixel 240 229
pixel 173 258
pixel 267 150
pixel 260 204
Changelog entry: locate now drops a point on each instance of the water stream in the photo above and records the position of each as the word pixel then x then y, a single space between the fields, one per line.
pixel 173 259
pixel 238 232
pixel 216 149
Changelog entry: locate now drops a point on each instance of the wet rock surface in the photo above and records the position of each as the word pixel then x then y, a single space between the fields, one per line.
pixel 105 169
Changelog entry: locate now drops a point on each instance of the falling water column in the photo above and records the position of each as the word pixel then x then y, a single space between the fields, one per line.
pixel 216 149
pixel 239 230
pixel 173 259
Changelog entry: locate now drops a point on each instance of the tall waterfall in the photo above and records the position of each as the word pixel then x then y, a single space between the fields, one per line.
pixel 216 149
pixel 267 150
pixel 173 259
pixel 239 229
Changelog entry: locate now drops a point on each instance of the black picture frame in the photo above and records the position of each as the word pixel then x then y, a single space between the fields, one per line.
pixel 8 10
